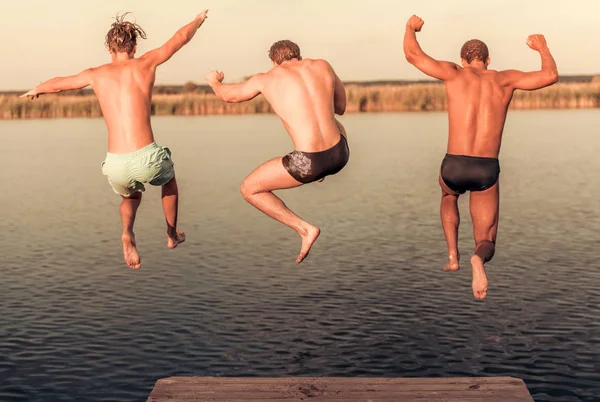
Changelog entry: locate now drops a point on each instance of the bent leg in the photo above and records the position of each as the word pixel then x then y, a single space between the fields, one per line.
pixel 450 217
pixel 170 204
pixel 257 190
pixel 128 209
pixel 484 206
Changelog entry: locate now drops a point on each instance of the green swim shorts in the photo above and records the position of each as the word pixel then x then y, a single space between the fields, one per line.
pixel 127 173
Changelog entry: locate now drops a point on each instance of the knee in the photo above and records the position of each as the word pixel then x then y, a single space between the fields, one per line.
pixel 136 195
pixel 485 249
pixel 246 190
pixel 170 188
pixel 488 246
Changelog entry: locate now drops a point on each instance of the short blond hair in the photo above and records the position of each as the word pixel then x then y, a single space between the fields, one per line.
pixel 284 50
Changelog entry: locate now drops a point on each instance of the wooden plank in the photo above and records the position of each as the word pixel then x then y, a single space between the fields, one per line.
pixel 339 380
pixel 370 399
pixel 364 389
pixel 176 388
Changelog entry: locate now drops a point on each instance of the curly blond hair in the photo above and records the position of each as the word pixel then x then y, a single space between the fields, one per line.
pixel 122 36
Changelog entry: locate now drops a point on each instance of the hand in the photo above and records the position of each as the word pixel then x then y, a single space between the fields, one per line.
pixel 31 94
pixel 537 42
pixel 214 76
pixel 202 16
pixel 414 23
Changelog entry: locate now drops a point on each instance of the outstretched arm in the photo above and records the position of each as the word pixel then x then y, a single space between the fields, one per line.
pixel 442 70
pixel 59 84
pixel 234 93
pixel 185 34
pixel 529 81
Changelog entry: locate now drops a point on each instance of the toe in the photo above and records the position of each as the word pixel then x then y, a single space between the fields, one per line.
pixel 300 258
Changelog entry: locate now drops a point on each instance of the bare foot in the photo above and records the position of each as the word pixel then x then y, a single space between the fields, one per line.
pixel 174 241
pixel 307 241
pixel 480 282
pixel 453 262
pixel 132 258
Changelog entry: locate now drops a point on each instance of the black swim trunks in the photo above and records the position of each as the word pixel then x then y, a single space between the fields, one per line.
pixel 463 173
pixel 307 167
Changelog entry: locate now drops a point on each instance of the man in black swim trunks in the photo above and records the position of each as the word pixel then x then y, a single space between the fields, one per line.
pixel 478 101
pixel 306 94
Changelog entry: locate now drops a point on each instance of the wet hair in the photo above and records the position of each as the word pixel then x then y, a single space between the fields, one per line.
pixel 284 50
pixel 122 36
pixel 474 50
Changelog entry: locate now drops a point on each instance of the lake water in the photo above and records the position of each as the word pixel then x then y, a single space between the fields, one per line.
pixel 371 299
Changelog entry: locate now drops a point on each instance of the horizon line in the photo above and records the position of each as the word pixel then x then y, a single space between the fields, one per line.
pixel 589 76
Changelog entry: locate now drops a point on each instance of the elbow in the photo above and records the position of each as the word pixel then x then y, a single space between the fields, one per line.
pixel 183 37
pixel 411 57
pixel 222 94
pixel 553 77
pixel 410 54
pixel 228 99
pixel 52 87
pixel 339 105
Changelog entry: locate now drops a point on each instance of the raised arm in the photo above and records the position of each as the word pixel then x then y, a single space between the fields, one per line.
pixel 529 81
pixel 185 34
pixel 234 93
pixel 59 84
pixel 339 96
pixel 442 70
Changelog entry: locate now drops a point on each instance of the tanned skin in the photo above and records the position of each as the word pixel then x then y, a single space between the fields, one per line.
pixel 478 100
pixel 124 90
pixel 306 94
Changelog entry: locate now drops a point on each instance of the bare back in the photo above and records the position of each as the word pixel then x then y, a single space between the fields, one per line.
pixel 477 106
pixel 124 90
pixel 301 93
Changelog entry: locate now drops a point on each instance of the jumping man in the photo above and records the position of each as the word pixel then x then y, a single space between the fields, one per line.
pixel 306 94
pixel 124 91
pixel 478 101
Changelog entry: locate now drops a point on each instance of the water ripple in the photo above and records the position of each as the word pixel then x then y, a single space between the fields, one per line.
pixel 371 300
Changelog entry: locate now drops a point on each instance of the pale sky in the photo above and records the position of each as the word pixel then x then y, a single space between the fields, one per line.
pixel 362 40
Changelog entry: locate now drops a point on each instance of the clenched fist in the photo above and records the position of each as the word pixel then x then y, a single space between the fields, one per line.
pixel 415 23
pixel 537 42
pixel 214 76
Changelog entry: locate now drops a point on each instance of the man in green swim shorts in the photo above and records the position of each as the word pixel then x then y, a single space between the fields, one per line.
pixel 124 91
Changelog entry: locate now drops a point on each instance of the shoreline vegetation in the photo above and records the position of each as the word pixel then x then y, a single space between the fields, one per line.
pixel 571 92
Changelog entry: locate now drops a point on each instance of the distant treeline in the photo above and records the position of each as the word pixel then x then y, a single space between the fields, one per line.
pixel 376 96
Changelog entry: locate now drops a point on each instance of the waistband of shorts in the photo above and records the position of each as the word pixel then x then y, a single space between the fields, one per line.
pixel 481 158
pixel 148 148
pixel 341 141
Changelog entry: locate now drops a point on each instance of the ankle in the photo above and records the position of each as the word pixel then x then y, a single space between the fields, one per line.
pixel 127 235
pixel 453 255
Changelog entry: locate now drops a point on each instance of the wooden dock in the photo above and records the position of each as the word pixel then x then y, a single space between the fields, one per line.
pixel 339 389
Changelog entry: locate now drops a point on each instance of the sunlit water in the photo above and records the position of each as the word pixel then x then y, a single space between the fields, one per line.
pixel 371 299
